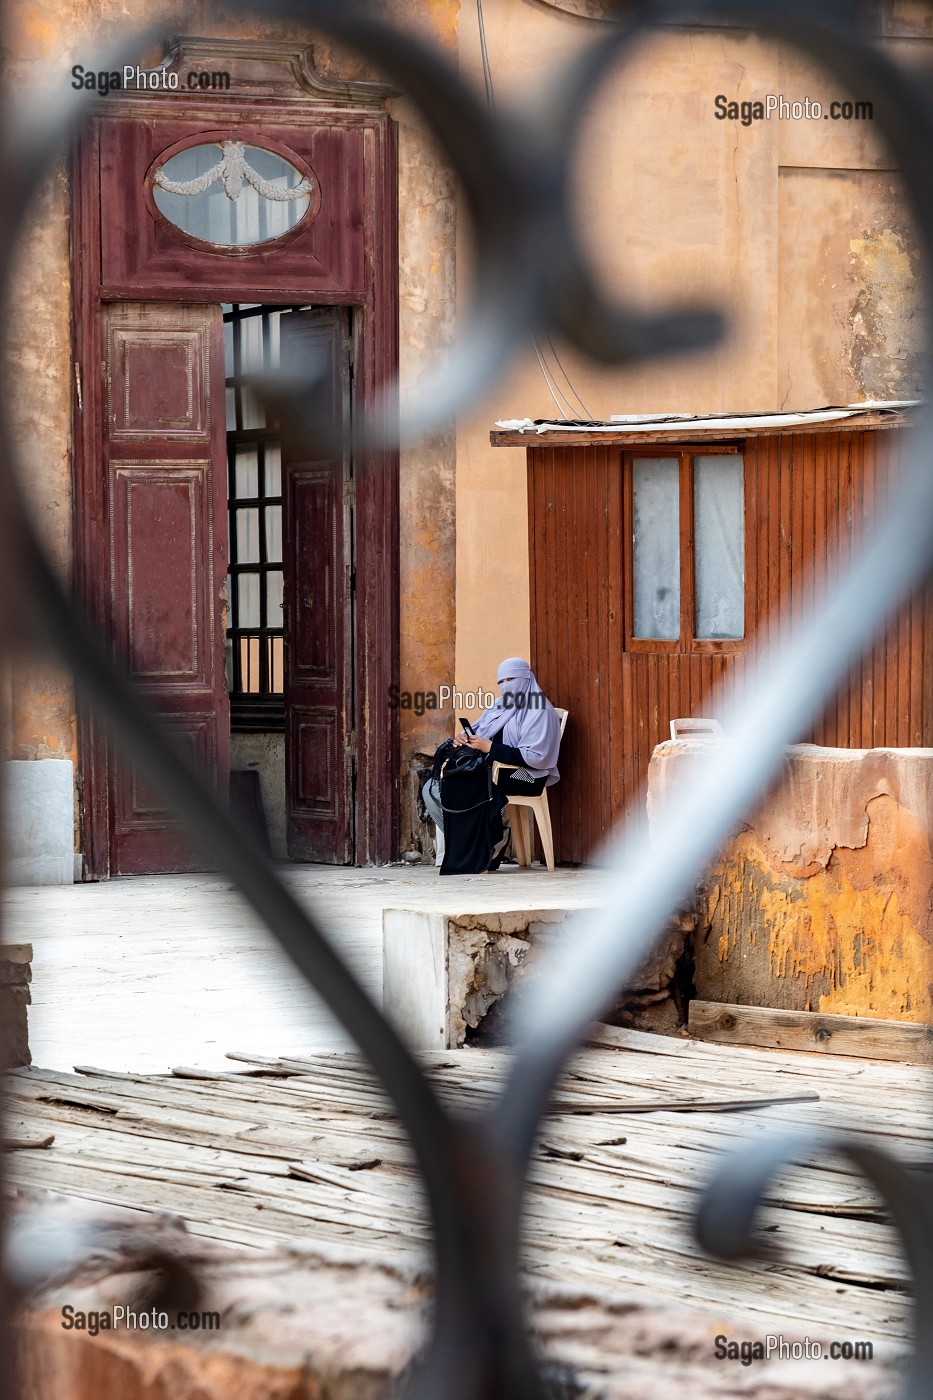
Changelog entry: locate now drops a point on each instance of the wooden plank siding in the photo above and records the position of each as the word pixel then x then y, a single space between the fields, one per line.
pixel 810 499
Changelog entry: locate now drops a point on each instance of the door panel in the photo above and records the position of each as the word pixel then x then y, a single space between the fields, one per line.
pixel 159 512
pixel 156 383
pixel 315 519
pixel 165 457
pixel 317 753
pixel 319 740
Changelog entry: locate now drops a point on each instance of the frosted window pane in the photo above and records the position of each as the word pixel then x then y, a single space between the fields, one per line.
pixel 275 339
pixel 221 203
pixel 254 415
pixel 247 472
pixel 231 410
pixel 719 535
pixel 251 344
pixel 274 534
pixel 656 501
pixel 247 538
pixel 274 616
pixel 273 469
pixel 248 600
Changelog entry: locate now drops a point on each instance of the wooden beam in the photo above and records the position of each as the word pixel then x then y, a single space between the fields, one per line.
pixel 776 1029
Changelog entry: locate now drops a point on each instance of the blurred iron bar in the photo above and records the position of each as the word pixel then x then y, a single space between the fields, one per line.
pixel 533 280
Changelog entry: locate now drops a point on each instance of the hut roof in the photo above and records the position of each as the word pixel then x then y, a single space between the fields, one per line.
pixel 680 427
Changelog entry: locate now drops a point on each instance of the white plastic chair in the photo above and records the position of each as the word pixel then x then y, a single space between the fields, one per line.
pixel 522 834
pixel 695 728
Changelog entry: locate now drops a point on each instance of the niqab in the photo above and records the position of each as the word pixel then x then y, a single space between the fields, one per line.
pixel 524 718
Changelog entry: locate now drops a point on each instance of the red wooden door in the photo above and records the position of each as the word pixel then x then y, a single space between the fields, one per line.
pixel 165 488
pixel 320 768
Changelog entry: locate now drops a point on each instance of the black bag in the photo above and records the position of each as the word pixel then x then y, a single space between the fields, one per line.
pixel 452 762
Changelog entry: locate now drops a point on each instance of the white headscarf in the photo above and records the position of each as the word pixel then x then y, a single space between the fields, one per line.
pixel 524 718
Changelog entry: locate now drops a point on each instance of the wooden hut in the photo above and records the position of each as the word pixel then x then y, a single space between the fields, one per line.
pixel 670 554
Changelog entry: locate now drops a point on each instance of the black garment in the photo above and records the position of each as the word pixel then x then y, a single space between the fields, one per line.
pixel 510 786
pixel 508 783
pixel 505 753
pixel 472 807
pixel 473 804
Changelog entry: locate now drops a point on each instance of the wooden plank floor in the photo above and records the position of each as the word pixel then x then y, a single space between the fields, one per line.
pixel 141 974
pixel 312 1153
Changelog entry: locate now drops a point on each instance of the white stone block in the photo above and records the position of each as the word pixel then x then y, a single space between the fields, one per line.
pixel 414 952
pixel 38 825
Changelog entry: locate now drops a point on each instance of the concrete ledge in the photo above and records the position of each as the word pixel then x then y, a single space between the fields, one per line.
pixel 39 821
pixel 444 972
pixel 15 976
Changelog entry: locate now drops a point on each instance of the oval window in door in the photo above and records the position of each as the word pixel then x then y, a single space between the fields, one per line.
pixel 232 195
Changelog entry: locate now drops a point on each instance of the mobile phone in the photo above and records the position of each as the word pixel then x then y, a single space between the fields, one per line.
pixel 466 726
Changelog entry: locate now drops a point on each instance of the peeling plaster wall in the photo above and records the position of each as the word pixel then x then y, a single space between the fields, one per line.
pixel 856 295
pixel 824 900
pixel 41 696
pixel 39 710
pixel 427 271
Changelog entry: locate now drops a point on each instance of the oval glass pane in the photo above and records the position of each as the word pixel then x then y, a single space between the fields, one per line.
pixel 230 194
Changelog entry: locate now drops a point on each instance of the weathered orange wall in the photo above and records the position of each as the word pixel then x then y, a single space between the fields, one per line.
pixel 824 901
pixel 38 330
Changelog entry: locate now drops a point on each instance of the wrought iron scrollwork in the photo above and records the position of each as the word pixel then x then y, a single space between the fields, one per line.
pixel 532 276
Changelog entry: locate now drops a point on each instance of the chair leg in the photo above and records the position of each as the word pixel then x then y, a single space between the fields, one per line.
pixel 543 816
pixel 519 834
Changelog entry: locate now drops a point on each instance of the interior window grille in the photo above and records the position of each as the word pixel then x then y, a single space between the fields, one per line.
pixel 255 636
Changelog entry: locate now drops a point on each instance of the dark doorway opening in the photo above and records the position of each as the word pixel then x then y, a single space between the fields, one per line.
pixel 291 579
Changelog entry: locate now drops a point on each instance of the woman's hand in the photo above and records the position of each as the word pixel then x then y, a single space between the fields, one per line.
pixel 476 742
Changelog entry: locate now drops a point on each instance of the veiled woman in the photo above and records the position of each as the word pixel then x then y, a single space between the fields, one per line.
pixel 522 729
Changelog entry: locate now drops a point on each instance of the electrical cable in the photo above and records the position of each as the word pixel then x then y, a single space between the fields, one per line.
pixel 552 386
pixel 487 71
pixel 586 412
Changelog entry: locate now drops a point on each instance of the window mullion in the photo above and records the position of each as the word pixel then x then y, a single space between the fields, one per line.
pixel 687 555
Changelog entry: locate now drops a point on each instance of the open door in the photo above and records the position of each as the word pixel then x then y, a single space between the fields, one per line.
pixel 165 501
pixel 320 754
